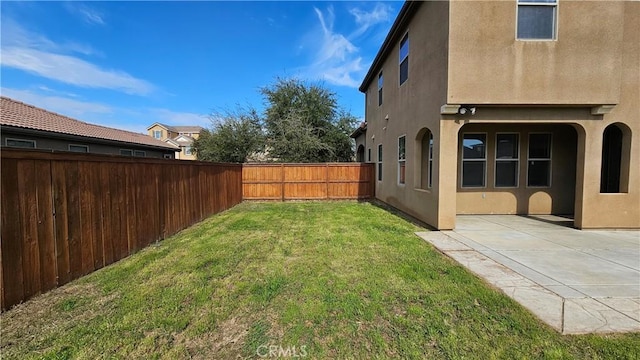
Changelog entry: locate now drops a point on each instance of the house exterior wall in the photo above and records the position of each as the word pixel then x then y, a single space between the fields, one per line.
pixel 62 144
pixel 466 52
pixel 169 134
pixel 488 65
pixel 410 107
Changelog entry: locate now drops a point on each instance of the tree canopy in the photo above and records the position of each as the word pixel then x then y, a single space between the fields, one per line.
pixel 301 123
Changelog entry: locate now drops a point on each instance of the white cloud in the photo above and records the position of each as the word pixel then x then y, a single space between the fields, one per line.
pixel 86 13
pixel 380 14
pixel 337 60
pixel 62 105
pixel 72 70
pixel 169 117
pixel 36 54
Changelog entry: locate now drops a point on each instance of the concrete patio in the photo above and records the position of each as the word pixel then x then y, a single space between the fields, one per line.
pixel 577 281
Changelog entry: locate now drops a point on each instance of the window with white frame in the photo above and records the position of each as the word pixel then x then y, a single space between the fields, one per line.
pixel 402 159
pixel 539 160
pixel 474 160
pixel 507 160
pixel 140 153
pixel 20 143
pixel 380 83
pixel 188 150
pixel 404 59
pixel 157 134
pixel 126 152
pixel 537 19
pixel 79 148
pixel 380 162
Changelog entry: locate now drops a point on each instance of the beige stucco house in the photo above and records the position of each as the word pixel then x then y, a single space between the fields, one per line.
pixel 508 107
pixel 179 136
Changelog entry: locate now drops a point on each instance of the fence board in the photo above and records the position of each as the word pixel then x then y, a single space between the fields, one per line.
pixel 65 215
pixel 13 288
pixel 307 181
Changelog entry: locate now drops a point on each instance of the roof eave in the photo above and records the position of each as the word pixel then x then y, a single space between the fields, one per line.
pixel 408 10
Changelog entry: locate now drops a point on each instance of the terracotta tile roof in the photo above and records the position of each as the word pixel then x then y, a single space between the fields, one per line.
pixel 18 114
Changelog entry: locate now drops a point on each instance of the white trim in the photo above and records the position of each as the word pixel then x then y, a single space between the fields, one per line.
pixel 400 61
pixel 6 143
pixel 555 4
pixel 550 159
pixel 77 145
pixel 379 164
pixel 403 160
pixel 462 160
pixel 496 160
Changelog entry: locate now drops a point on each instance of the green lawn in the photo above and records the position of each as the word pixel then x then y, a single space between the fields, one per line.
pixel 332 279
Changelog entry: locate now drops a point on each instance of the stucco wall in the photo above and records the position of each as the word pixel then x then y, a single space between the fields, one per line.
pixel 582 66
pixel 410 107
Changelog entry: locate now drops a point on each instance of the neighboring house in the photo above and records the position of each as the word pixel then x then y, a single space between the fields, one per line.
pixel 180 136
pixel 508 107
pixel 26 126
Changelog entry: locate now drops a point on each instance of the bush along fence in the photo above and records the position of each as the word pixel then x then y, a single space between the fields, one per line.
pixel 307 181
pixel 65 215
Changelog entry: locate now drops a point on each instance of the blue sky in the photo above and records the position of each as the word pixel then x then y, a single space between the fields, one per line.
pixel 130 64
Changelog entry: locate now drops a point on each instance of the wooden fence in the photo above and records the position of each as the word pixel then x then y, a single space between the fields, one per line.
pixel 307 181
pixel 65 215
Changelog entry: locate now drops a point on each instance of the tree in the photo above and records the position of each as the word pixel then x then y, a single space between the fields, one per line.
pixel 235 135
pixel 304 124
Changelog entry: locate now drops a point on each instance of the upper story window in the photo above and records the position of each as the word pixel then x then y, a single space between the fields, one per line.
pixel 380 82
pixel 404 59
pixel 537 19
pixel 380 162
pixel 157 134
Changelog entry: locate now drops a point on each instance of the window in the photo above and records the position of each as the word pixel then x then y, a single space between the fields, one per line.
pixel 380 82
pixel 157 134
pixel 380 162
pixel 167 156
pixel 537 19
pixel 139 153
pixel 474 160
pixel 126 152
pixel 402 159
pixel 369 155
pixel 79 148
pixel 507 156
pixel 20 143
pixel 404 59
pixel 611 160
pixel 424 165
pixel 539 165
pixel 187 150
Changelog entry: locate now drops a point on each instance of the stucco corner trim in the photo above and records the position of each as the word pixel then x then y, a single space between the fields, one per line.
pixel 449 109
pixel 602 109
